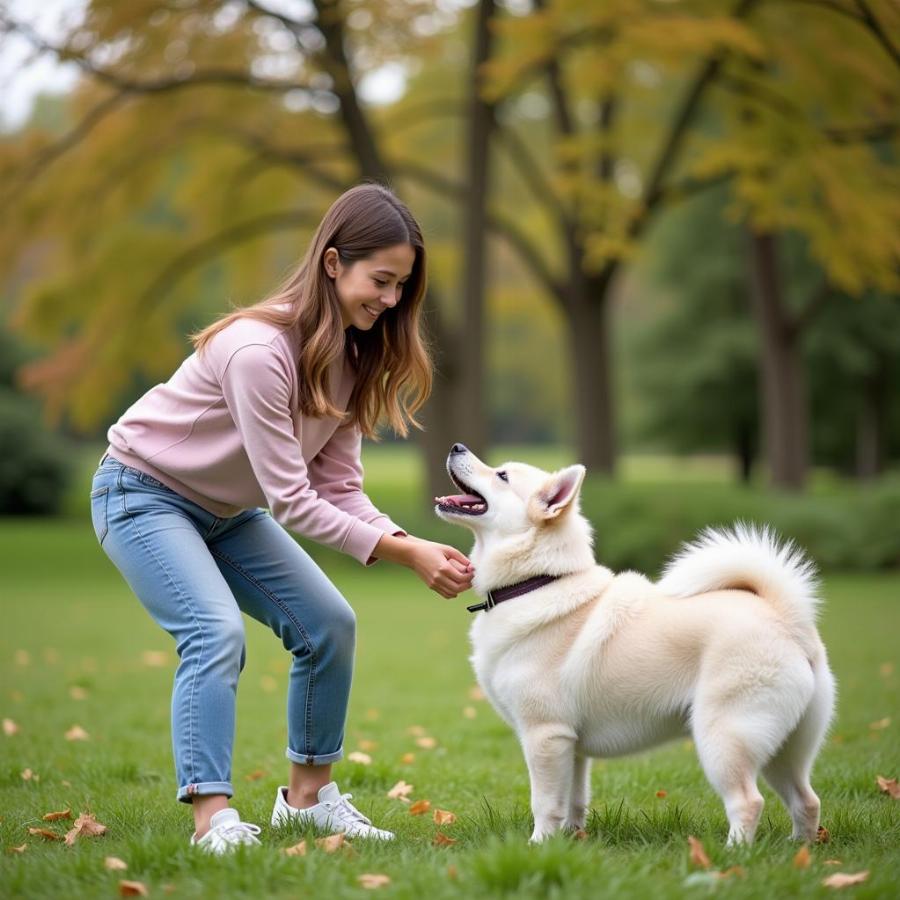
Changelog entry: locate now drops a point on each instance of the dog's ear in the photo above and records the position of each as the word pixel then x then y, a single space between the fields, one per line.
pixel 557 494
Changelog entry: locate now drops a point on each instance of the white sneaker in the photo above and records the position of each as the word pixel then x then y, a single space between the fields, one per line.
pixel 333 812
pixel 226 832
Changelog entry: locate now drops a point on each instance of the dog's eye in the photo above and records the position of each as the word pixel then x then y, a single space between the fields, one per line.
pixel 503 476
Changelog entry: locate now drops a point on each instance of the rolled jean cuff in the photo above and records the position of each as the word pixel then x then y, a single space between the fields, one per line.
pixel 204 789
pixel 311 759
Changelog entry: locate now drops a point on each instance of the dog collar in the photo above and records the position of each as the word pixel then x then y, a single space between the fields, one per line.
pixel 498 595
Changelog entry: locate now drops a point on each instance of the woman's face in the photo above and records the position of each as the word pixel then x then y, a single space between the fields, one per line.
pixel 367 287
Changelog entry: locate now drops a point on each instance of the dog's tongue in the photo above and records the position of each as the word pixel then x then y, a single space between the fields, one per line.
pixel 459 500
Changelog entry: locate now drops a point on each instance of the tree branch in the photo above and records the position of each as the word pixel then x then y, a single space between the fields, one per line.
pixel 875 27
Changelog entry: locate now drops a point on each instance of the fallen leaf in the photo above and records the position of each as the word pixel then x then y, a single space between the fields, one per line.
pixel 27 775
pixel 661 794
pixel 408 759
pixel 133 889
pixel 20 849
pixel 823 835
pixel 442 840
pixel 114 864
pixel 296 850
pixel 45 833
pixel 452 872
pixel 802 859
pixel 886 669
pixel 54 816
pixel 65 783
pixel 255 775
pixel 416 730
pixel 476 693
pixel 841 880
pixel 51 656
pixel 77 693
pixel 362 758
pixel 155 659
pixel 420 807
pixel 370 880
pixel 268 684
pixel 9 727
pixel 426 743
pixel 737 871
pixel 85 826
pixel 444 817
pixel 368 746
pixel 698 855
pixel 400 791
pixel 77 733
pixel 880 724
pixel 332 843
pixel 831 862
pixel 372 715
pixel 470 712
pixel 888 786
pixel 22 657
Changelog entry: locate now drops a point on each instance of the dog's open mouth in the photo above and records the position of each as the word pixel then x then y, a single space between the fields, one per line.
pixel 468 503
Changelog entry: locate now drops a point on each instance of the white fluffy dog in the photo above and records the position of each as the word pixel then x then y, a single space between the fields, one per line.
pixel 584 663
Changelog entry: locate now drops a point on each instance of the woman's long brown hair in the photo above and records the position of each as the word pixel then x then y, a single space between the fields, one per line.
pixel 391 361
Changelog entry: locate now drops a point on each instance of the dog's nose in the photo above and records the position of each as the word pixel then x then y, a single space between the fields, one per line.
pixel 459 448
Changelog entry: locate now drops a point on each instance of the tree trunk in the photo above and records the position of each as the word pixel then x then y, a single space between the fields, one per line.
pixel 783 401
pixel 471 406
pixel 592 374
pixel 744 451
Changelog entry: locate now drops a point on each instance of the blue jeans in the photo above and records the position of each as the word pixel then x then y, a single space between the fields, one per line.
pixel 195 573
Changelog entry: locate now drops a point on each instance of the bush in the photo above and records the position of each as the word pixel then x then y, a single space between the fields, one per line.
pixel 34 464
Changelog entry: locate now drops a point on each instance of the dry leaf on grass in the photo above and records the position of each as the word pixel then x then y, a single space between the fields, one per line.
pixel 408 759
pixel 662 794
pixel 372 715
pixel 420 807
pixel 9 727
pixel 255 775
pixel 842 880
pixel 400 791
pixel 416 730
pixel 77 733
pixel 20 849
pixel 823 835
pixel 888 786
pixel 831 862
pixel 45 833
pixel 155 659
pixel 114 864
pixel 442 840
pixel 332 843
pixel 55 816
pixel 470 712
pixel 296 850
pixel 452 872
pixel 268 684
pixel 880 724
pixel 444 817
pixel 28 775
pixel 476 693
pixel 22 657
pixel 886 669
pixel 367 746
pixel 698 854
pixel 133 889
pixel 85 826
pixel 77 693
pixel 358 757
pixel 802 859
pixel 426 743
pixel 371 880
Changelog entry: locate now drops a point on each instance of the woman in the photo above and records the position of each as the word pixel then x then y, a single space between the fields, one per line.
pixel 269 411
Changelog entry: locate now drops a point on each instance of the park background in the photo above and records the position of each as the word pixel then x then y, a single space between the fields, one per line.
pixel 663 241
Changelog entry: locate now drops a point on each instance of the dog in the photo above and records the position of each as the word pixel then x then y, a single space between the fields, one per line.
pixel 584 663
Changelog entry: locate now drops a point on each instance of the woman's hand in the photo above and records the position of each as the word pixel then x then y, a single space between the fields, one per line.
pixel 442 567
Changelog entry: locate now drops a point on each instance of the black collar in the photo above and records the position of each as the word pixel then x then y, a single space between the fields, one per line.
pixel 498 595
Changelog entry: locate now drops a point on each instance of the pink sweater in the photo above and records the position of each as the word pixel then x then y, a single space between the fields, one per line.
pixel 224 431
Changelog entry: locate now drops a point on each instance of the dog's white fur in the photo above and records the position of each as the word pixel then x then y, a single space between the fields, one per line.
pixel 724 648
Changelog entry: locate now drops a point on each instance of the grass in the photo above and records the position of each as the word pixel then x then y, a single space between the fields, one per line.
pixel 70 622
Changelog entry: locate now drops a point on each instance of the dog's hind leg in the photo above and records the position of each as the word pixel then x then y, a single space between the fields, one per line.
pixel 788 771
pixel 581 793
pixel 550 754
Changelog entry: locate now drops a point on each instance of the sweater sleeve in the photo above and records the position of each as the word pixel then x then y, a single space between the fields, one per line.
pixel 257 392
pixel 336 473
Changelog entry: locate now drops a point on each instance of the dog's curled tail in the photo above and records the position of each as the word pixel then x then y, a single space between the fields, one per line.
pixel 747 558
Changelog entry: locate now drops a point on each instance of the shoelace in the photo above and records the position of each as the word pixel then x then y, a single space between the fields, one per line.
pixel 345 808
pixel 239 833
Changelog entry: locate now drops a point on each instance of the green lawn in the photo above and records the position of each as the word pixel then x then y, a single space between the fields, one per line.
pixel 70 622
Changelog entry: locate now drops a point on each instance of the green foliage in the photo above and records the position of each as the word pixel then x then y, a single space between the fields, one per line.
pixel 34 462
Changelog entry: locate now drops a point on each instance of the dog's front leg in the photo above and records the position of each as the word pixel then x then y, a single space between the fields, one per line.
pixel 581 793
pixel 550 754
